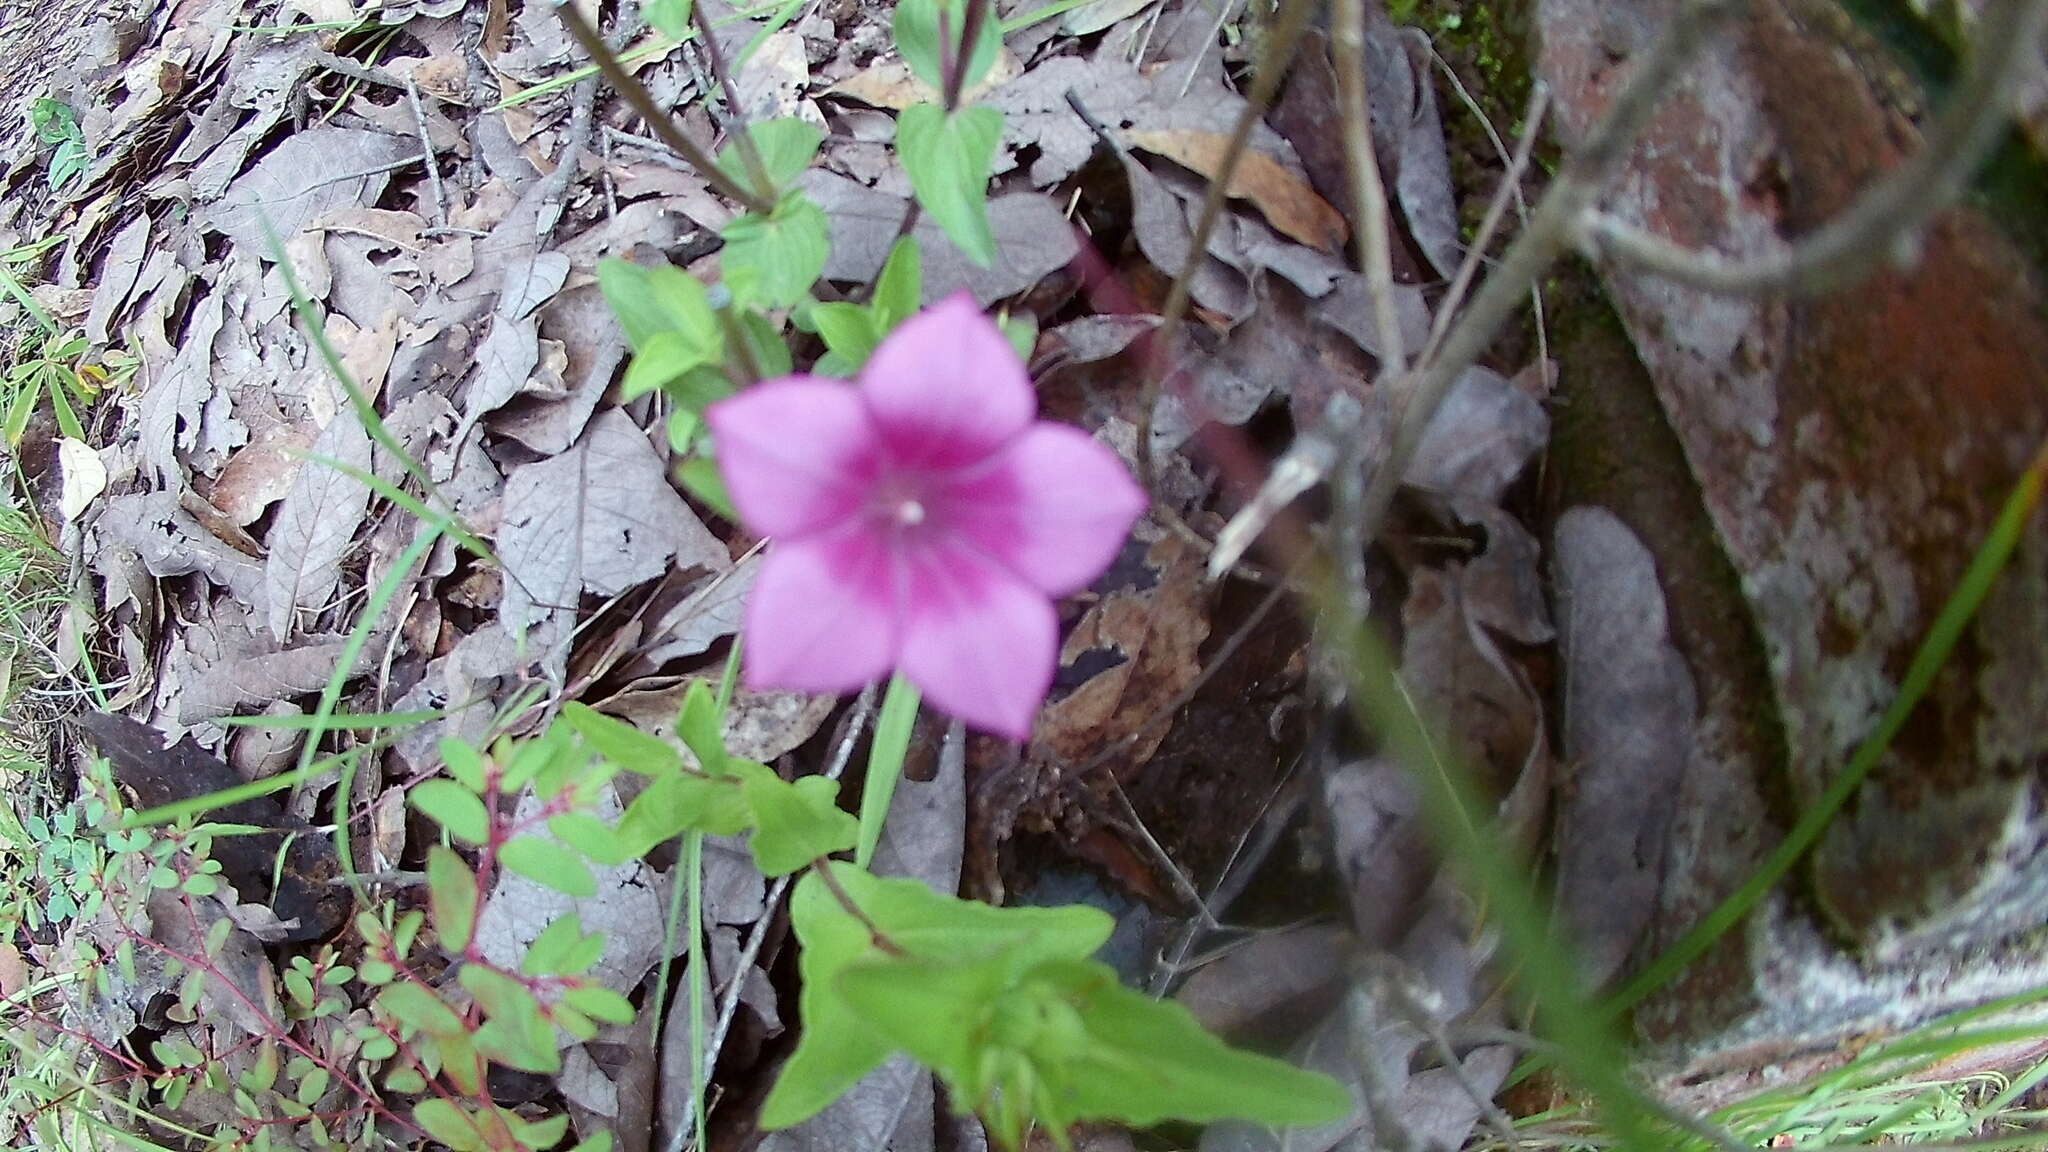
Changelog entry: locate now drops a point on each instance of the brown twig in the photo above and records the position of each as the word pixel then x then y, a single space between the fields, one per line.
pixel 1274 59
pixel 1368 194
pixel 823 867
pixel 419 119
pixel 659 121
pixel 735 111
pixel 1879 225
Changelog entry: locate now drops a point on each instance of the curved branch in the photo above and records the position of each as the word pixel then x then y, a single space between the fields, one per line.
pixel 1883 220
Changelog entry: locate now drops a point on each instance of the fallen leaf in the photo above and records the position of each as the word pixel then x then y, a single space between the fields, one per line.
pixel 309 174
pixel 317 524
pixel 1033 239
pixel 118 273
pixel 174 398
pixel 170 543
pixel 1161 228
pixel 889 83
pixel 258 475
pixel 1097 15
pixel 1422 185
pixel 247 682
pixel 1285 199
pixel 599 518
pixel 1272 987
pixel 629 909
pixel 1479 439
pixel 1629 710
pixel 84 477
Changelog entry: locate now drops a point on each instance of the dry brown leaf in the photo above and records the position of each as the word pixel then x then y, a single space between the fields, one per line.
pixel 599 518
pixel 310 174
pixel 889 83
pixel 317 524
pixel 1285 199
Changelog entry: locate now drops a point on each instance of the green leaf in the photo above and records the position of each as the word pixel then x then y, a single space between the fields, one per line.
pixel 516 1034
pixel 1142 1061
pixel 464 763
pixel 561 948
pixel 787 147
pixel 947 158
pixel 701 479
pixel 848 330
pixel 794 823
pixel 1022 333
pixel 663 298
pixel 665 359
pixel 451 897
pixel 416 1006
pixel 453 807
pixel 678 803
pixel 449 1123
pixel 670 17
pixel 773 260
pixel 919 43
pixel 591 836
pixel 885 764
pixel 600 1002
pixel 621 743
pixel 900 288
pixel 549 862
pixel 836 1047
pixel 701 727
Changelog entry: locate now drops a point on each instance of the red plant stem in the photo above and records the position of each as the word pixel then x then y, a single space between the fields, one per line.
pixel 823 867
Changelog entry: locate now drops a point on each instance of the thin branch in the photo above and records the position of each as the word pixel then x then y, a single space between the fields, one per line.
pixel 419 119
pixel 659 121
pixel 735 111
pixel 963 53
pixel 1508 192
pixel 1274 59
pixel 1368 194
pixel 1882 222
pixel 1547 237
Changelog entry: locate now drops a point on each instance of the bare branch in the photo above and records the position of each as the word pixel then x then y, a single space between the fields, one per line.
pixel 1368 194
pixel 1882 223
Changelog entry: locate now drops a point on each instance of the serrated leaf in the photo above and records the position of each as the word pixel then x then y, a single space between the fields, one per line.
pixel 918 40
pixel 619 742
pixel 453 807
pixel 549 862
pixel 948 158
pixel 836 1049
pixel 773 260
pixel 451 897
pixel 787 147
pixel 794 823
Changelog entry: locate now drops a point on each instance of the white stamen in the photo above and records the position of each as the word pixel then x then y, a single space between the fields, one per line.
pixel 910 513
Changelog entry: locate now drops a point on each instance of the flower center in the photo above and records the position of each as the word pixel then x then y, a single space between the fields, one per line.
pixel 909 512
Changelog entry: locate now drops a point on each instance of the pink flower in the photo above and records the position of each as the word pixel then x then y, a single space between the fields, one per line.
pixel 923 520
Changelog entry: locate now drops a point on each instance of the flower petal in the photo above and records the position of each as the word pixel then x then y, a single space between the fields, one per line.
pixel 979 642
pixel 946 389
pixel 1054 506
pixel 823 614
pixel 797 453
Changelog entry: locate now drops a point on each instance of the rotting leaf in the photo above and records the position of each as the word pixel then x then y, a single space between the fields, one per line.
pixel 599 518
pixel 1285 199
pixel 311 173
pixel 317 524
pixel 1629 711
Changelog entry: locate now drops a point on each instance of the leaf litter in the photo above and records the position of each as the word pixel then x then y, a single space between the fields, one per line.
pixel 234 556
